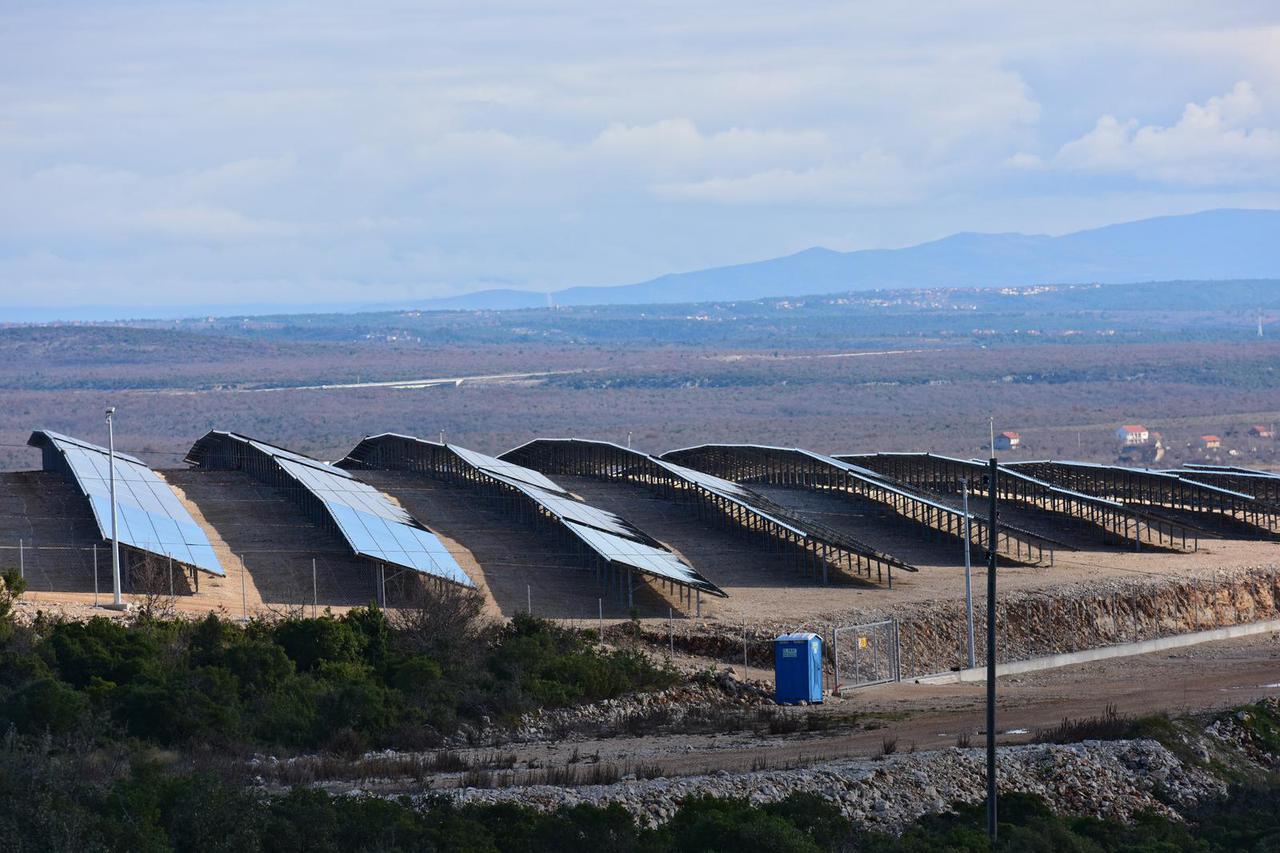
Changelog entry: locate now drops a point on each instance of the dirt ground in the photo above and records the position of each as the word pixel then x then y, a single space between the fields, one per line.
pixel 928 716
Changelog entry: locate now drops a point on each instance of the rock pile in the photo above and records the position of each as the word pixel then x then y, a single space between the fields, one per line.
pixel 1240 732
pixel 1112 780
pixel 711 693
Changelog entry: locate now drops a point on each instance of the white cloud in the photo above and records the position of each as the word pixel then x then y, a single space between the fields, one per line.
pixel 677 145
pixel 1025 162
pixel 1221 142
pixel 874 179
pixel 430 146
pixel 210 224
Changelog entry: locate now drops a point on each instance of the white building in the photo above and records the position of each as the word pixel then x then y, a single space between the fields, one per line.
pixel 1131 434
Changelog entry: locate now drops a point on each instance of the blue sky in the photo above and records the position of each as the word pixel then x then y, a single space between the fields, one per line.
pixel 157 154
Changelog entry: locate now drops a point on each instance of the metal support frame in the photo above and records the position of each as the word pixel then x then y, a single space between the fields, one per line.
pixel 1112 521
pixel 1186 497
pixel 795 467
pixel 441 463
pixel 814 549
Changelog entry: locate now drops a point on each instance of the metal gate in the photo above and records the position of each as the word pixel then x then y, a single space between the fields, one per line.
pixel 865 654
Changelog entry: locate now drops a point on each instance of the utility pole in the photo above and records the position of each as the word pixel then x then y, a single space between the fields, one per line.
pixel 991 641
pixel 117 603
pixel 968 576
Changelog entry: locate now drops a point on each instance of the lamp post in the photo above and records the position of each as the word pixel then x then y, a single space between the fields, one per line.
pixel 116 602
pixel 968 573
pixel 993 473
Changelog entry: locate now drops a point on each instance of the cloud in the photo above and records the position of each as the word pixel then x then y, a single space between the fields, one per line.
pixel 1025 162
pixel 421 148
pixel 210 224
pixel 873 178
pixel 1221 142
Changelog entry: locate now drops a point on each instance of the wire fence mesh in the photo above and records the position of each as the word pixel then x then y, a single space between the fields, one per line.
pixel 865 654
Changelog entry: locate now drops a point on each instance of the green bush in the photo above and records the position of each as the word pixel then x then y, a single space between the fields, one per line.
pixel 355 679
pixel 45 704
pixel 71 800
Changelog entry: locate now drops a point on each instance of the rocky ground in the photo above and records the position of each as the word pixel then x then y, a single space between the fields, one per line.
pixel 1114 779
pixel 1106 779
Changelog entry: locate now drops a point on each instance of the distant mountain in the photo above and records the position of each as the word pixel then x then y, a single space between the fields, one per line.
pixel 1213 245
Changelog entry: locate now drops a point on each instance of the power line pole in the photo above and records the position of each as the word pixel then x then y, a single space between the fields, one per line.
pixel 968 577
pixel 991 641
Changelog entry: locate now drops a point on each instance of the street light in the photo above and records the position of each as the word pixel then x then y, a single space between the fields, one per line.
pixel 116 602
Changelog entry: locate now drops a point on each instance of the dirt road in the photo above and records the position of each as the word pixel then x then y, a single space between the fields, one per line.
pixel 924 716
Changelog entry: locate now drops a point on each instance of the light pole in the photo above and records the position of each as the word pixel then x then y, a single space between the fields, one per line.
pixel 116 602
pixel 993 473
pixel 968 572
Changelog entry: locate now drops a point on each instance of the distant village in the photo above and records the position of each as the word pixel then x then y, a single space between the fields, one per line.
pixel 1136 444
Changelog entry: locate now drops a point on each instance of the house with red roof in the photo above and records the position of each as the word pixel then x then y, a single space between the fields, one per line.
pixel 1008 440
pixel 1133 434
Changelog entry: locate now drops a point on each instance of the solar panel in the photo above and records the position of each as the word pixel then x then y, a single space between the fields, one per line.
pixel 707 481
pixel 638 555
pixel 568 509
pixel 149 516
pixel 494 465
pixel 371 524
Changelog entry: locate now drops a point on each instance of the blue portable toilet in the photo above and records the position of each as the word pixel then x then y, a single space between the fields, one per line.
pixel 797 668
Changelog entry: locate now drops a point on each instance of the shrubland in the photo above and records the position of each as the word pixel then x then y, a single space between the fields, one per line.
pixel 129 736
pixel 349 682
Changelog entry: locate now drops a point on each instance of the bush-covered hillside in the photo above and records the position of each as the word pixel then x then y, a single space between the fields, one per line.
pixel 361 679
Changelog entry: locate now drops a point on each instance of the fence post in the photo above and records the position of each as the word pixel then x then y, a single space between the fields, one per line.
pixel 897 653
pixel 22 565
pixel 835 655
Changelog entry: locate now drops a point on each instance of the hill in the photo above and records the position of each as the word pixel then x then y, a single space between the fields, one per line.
pixel 1212 245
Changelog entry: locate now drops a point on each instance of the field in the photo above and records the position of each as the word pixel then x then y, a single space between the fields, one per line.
pixel 919 371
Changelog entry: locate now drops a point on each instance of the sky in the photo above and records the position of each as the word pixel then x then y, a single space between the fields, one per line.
pixel 231 153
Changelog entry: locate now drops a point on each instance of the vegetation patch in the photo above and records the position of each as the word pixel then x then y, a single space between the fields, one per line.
pixel 344 683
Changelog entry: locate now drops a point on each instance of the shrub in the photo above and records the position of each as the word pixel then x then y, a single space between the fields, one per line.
pixel 45 704
pixel 300 681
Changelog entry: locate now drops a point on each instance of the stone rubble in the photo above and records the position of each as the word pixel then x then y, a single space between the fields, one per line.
pixel 705 694
pixel 1104 779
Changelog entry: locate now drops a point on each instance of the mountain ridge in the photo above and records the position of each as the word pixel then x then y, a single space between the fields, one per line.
pixel 1221 244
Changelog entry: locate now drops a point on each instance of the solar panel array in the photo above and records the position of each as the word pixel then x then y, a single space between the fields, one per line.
pixel 149 516
pixel 731 491
pixel 371 524
pixel 609 535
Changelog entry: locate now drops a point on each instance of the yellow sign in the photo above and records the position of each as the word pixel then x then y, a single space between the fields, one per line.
pixel 862 642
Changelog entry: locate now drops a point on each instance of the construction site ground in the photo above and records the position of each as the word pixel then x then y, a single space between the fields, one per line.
pixel 918 717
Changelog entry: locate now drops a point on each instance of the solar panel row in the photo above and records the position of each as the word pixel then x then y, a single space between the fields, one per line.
pixel 609 536
pixel 372 525
pixel 149 516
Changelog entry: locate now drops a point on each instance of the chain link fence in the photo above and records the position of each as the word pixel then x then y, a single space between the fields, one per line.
pixel 865 654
